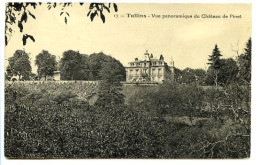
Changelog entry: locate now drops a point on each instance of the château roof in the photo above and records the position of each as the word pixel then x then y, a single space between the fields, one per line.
pixel 148 58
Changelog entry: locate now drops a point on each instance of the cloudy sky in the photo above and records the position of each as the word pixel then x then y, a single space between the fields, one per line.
pixel 187 41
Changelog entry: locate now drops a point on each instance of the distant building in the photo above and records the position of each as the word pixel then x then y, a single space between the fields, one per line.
pixel 55 77
pixel 149 70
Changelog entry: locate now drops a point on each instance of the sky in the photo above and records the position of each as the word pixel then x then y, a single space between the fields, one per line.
pixel 187 41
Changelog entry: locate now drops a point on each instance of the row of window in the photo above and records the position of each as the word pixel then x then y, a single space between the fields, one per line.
pixel 138 75
pixel 140 78
pixel 157 63
pixel 153 63
pixel 159 69
pixel 145 71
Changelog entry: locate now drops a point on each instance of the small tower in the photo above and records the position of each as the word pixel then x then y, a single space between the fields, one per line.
pixel 161 57
pixel 172 68
pixel 146 55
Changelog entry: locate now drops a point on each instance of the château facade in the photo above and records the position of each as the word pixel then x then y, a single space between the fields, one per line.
pixel 149 70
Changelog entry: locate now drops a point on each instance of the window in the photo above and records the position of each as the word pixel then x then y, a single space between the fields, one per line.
pixel 137 70
pixel 130 72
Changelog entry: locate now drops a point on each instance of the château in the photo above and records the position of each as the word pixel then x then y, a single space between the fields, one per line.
pixel 149 70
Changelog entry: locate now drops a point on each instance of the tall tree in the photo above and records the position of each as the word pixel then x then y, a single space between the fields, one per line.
pixel 214 62
pixel 19 65
pixel 190 75
pixel 46 64
pixel 228 71
pixel 244 63
pixel 215 57
pixel 177 75
pixel 111 73
pixel 97 61
pixel 73 65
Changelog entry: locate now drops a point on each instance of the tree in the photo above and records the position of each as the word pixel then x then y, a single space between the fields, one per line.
pixel 190 75
pixel 215 57
pixel 244 63
pixel 76 66
pixel 73 66
pixel 19 65
pixel 214 62
pixel 112 72
pixel 228 71
pixel 8 74
pixel 177 75
pixel 110 87
pixel 97 61
pixel 200 75
pixel 16 14
pixel 7 77
pixel 46 64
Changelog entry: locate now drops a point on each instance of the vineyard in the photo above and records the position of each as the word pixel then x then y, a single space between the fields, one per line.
pixel 61 120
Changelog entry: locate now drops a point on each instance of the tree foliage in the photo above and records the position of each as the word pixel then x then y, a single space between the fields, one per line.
pixel 226 74
pixel 228 71
pixel 112 73
pixel 17 14
pixel 171 98
pixel 97 66
pixel 244 63
pixel 45 122
pixel 46 64
pixel 214 58
pixel 177 75
pixel 19 65
pixel 99 62
pixel 73 66
pixel 190 75
pixel 214 65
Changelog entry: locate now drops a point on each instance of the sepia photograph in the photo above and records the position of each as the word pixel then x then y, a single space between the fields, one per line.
pixel 119 80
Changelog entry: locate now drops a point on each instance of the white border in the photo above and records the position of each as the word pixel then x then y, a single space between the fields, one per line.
pixel 255 154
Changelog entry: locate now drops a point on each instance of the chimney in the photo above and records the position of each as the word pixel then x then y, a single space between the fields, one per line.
pixel 161 57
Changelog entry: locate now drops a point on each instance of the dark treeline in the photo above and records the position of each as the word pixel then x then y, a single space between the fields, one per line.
pixel 76 66
pixel 221 71
pixel 73 66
